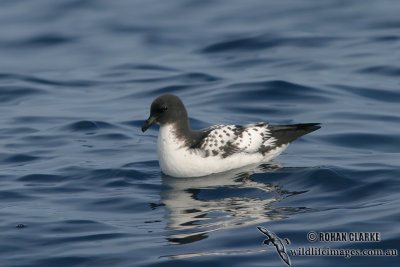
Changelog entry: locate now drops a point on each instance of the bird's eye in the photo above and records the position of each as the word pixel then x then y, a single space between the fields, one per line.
pixel 163 108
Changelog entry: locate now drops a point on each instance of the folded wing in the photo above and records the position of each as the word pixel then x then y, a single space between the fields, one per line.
pixel 225 140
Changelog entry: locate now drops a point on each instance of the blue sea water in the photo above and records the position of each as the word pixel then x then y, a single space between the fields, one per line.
pixel 80 183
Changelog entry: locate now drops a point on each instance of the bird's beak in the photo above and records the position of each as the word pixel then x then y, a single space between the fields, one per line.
pixel 150 121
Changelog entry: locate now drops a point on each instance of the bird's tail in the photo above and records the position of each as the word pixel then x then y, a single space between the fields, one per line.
pixel 284 134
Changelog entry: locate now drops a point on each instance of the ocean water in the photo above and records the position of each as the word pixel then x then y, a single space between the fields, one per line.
pixel 80 183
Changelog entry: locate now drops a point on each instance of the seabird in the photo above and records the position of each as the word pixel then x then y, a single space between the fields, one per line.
pixel 184 152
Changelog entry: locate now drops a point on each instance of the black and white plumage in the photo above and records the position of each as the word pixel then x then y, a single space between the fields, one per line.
pixel 188 153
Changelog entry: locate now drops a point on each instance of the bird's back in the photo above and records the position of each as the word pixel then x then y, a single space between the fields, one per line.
pixel 226 140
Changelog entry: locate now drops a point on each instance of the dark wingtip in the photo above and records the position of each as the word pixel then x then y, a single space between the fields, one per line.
pixel 309 126
pixel 288 133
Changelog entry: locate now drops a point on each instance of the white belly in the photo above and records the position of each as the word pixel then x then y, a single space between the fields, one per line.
pixel 178 161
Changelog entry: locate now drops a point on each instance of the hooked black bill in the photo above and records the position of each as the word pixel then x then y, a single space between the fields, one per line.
pixel 150 121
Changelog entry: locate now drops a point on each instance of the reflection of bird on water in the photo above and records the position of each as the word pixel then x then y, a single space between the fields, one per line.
pixel 197 206
pixel 273 239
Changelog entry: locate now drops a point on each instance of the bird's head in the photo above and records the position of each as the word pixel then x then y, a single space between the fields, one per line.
pixel 165 109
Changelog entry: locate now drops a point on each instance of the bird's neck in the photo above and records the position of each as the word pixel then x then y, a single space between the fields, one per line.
pixel 181 132
pixel 182 127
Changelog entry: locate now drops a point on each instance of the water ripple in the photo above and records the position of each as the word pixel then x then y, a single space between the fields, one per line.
pixel 88 126
pixel 265 42
pixel 43 81
pixel 42 178
pixel 12 93
pixel 368 141
pixel 19 158
pixel 371 93
pixel 277 91
pixel 51 39
pixel 382 70
pixel 147 67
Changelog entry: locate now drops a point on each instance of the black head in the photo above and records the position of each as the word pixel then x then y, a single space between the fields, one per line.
pixel 166 109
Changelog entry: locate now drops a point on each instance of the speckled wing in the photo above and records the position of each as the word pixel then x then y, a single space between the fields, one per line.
pixel 225 140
